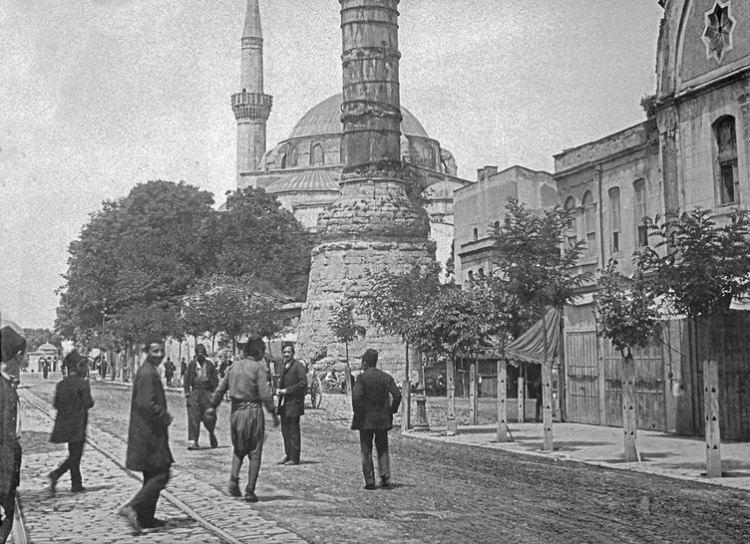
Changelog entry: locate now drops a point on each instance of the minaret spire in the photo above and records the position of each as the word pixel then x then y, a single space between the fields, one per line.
pixel 251 106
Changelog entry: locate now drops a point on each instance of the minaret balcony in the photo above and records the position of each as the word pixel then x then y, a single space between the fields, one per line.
pixel 251 105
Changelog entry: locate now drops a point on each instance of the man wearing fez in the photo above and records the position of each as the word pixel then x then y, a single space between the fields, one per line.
pixel 72 402
pixel 246 382
pixel 148 439
pixel 200 382
pixel 375 398
pixel 291 395
pixel 12 348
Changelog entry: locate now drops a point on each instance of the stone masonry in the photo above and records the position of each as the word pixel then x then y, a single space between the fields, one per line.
pixel 373 225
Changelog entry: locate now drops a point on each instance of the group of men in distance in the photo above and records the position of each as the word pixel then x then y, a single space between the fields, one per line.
pixel 246 383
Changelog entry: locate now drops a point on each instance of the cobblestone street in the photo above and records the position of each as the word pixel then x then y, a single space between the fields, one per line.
pixel 443 493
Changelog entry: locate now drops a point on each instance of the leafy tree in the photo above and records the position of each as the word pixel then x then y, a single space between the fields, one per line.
pixel 394 300
pixel 453 322
pixel 342 324
pixel 628 318
pixel 697 264
pixel 234 306
pixel 259 238
pixel 37 337
pixel 135 260
pixel 533 261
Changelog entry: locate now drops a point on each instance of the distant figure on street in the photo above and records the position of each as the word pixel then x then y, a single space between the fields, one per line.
pixel 12 348
pixel 200 382
pixel 225 363
pixel 72 402
pixel 375 398
pixel 183 368
pixel 246 382
pixel 291 395
pixel 536 390
pixel 103 367
pixel 169 369
pixel 148 440
pixel 45 368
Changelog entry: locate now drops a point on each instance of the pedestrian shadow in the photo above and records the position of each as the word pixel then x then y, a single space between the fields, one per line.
pixel 271 498
pixel 179 523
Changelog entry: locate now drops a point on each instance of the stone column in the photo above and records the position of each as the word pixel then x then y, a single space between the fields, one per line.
pixel 373 225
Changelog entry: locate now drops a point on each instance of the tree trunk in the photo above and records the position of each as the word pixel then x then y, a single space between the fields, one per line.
pixel 546 391
pixel 629 412
pixel 473 404
pixel 502 397
pixel 711 415
pixel 451 424
pixel 521 394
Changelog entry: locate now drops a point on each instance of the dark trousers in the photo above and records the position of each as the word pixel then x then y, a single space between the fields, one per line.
pixel 292 438
pixel 144 502
pixel 384 460
pixel 198 402
pixel 8 502
pixel 72 464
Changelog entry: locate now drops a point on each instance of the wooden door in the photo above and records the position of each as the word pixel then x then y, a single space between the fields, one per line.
pixel 582 371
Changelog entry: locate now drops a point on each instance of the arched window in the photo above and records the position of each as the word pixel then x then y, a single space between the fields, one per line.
pixel 317 156
pixel 614 219
pixel 476 234
pixel 589 222
pixel 283 161
pixel 293 157
pixel 727 180
pixel 571 233
pixel 471 275
pixel 640 210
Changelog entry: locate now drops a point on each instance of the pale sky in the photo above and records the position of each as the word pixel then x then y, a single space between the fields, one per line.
pixel 98 95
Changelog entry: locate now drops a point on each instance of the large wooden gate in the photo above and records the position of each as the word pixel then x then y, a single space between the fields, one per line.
pixel 594 383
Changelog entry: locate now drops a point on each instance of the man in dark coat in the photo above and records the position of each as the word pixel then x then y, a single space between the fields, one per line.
pixel 12 348
pixel 148 439
pixel 291 394
pixel 200 382
pixel 169 369
pixel 375 398
pixel 246 382
pixel 72 402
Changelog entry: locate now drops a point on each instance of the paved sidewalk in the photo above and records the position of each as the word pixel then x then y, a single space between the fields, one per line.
pixel 661 453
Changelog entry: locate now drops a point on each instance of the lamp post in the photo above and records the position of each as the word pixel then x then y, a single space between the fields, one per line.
pixel 422 423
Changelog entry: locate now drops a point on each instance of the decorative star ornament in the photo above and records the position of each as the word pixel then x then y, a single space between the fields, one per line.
pixel 717 34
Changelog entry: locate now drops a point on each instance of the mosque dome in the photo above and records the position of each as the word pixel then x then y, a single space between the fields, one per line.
pixel 325 118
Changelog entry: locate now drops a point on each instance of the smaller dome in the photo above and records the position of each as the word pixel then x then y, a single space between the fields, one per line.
pixel 316 180
pixel 47 347
pixel 442 189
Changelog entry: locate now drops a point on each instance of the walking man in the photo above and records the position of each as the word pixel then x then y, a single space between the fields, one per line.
pixel 291 395
pixel 148 440
pixel 375 398
pixel 200 382
pixel 169 369
pixel 246 382
pixel 72 402
pixel 12 348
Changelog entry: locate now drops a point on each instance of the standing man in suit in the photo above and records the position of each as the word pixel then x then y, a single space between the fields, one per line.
pixel 375 398
pixel 72 402
pixel 148 439
pixel 291 395
pixel 12 348
pixel 201 380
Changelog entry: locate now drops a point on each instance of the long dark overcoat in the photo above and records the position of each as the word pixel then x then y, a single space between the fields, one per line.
pixel 375 398
pixel 72 402
pixel 294 380
pixel 148 438
pixel 10 448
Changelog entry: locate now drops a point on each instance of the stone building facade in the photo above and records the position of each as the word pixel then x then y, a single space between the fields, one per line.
pixel 692 150
pixel 479 209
